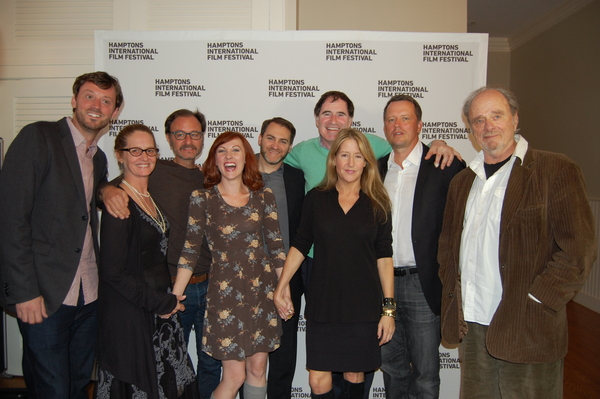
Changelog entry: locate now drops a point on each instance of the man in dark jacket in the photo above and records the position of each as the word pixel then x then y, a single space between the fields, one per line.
pixel 48 239
pixel 417 189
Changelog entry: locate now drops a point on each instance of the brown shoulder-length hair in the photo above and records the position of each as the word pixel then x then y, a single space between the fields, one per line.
pixel 370 180
pixel 251 177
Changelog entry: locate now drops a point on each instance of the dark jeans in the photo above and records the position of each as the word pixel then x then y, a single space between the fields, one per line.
pixel 58 354
pixel 411 360
pixel 208 369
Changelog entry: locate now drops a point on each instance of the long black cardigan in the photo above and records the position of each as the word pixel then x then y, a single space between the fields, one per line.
pixel 127 304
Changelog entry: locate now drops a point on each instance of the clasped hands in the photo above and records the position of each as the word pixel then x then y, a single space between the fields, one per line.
pixel 283 303
pixel 179 308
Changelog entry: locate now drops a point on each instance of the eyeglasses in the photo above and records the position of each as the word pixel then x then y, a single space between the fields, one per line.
pixel 136 152
pixel 180 135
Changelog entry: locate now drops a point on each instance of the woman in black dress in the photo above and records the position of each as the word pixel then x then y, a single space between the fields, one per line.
pixel 140 353
pixel 347 219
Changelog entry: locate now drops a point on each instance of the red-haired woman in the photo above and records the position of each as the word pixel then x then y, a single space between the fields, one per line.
pixel 239 218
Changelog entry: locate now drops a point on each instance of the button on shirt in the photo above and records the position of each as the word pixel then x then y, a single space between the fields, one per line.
pixel 400 183
pixel 87 271
pixel 480 240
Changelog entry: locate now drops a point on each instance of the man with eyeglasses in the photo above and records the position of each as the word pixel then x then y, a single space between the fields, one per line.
pixel 171 184
pixel 48 240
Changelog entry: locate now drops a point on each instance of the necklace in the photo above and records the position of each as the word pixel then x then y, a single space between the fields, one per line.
pixel 160 218
pixel 125 182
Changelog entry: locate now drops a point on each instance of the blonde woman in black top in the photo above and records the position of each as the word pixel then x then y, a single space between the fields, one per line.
pixel 347 219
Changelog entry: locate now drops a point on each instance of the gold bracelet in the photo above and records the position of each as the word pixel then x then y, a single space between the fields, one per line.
pixel 388 307
pixel 391 312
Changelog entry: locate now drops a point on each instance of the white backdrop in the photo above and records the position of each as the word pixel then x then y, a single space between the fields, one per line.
pixel 240 78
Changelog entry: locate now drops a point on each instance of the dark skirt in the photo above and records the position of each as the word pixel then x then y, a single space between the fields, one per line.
pixel 176 376
pixel 342 347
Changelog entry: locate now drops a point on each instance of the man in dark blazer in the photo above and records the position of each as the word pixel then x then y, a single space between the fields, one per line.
pixel 417 189
pixel 275 142
pixel 48 239
pixel 518 241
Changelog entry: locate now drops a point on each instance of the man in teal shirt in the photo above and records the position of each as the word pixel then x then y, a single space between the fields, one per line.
pixel 333 112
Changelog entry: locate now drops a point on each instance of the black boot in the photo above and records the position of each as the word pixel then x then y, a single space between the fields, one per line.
pixel 356 391
pixel 327 395
pixel 352 391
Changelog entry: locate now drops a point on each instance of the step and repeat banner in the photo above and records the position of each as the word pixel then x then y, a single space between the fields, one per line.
pixel 240 78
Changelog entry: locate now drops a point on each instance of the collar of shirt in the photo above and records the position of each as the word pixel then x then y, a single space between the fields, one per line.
pixel 86 277
pixel 414 158
pixel 321 143
pixel 79 140
pixel 520 150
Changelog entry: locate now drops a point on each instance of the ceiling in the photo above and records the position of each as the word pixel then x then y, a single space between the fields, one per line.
pixel 505 18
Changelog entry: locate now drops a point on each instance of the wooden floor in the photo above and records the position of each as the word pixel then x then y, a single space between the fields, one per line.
pixel 582 364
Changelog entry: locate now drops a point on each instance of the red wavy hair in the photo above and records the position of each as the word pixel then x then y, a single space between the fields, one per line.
pixel 251 177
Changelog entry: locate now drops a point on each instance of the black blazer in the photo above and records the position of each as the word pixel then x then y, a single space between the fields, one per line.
pixel 293 179
pixel 43 214
pixel 427 216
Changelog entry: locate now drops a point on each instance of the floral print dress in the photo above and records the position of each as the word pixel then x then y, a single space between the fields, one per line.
pixel 240 318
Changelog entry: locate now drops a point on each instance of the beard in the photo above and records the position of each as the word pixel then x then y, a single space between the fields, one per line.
pixel 90 126
pixel 264 154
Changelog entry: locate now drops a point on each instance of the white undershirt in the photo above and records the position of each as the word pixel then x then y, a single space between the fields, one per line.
pixel 400 183
pixel 479 257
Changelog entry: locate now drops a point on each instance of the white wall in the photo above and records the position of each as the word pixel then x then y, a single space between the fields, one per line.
pixel 45 44
pixel 384 15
